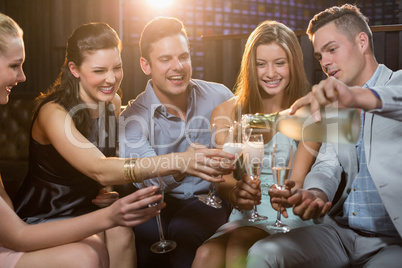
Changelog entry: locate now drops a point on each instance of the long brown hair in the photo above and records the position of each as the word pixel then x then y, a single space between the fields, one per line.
pixel 247 89
pixel 64 91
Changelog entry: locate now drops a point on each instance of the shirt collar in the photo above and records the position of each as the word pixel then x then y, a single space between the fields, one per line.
pixel 373 79
pixel 152 101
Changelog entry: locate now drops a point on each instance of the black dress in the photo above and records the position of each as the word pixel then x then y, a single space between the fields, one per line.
pixel 53 189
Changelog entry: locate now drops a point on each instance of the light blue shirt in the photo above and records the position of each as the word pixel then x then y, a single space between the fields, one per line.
pixel 364 208
pixel 146 129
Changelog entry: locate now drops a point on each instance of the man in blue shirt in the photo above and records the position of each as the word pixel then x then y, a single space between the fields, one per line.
pixel 364 228
pixel 172 115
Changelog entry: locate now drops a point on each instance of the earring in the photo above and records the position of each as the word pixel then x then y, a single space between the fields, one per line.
pixel 77 89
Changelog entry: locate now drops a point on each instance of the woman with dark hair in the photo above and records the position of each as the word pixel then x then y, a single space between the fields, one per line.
pixel 70 242
pixel 72 153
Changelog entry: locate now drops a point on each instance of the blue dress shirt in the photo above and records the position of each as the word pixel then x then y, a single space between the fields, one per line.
pixel 146 129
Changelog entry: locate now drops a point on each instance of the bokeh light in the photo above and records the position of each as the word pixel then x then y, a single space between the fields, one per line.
pixel 160 3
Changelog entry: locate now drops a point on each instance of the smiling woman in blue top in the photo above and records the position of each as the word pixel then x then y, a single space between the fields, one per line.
pixel 172 115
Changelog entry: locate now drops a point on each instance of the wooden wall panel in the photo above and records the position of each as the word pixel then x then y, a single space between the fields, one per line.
pixel 223 54
pixel 47 25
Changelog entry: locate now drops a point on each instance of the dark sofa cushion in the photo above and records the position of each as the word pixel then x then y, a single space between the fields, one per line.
pixel 15 122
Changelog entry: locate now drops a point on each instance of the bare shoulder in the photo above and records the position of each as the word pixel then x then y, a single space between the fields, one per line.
pixel 50 110
pixel 225 108
pixel 51 116
pixel 223 113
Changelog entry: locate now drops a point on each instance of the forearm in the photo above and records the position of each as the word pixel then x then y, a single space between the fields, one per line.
pixel 50 234
pixel 319 194
pixel 111 170
pixel 304 160
pixel 365 99
pixel 108 171
pixel 326 172
pixel 152 163
pixel 4 195
pixel 225 188
pixel 163 165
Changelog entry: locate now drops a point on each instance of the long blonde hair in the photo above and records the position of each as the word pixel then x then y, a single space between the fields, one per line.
pixel 247 89
pixel 8 27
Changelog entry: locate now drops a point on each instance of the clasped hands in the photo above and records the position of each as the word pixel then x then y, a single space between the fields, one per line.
pixel 307 204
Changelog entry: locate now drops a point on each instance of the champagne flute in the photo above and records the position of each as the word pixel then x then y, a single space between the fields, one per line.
pixel 163 245
pixel 253 157
pixel 229 139
pixel 282 157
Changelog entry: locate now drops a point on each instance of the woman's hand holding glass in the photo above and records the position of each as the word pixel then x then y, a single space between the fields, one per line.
pixel 279 197
pixel 253 158
pixel 135 209
pixel 163 245
pixel 227 138
pixel 247 193
pixel 207 164
pixel 282 162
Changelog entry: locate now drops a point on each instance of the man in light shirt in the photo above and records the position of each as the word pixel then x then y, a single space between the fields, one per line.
pixel 172 115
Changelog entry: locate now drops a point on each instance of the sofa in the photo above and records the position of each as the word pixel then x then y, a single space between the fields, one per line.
pixel 15 122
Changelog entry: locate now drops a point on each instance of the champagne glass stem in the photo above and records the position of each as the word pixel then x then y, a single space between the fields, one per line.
pixel 214 187
pixel 159 223
pixel 255 209
pixel 278 217
pixel 163 245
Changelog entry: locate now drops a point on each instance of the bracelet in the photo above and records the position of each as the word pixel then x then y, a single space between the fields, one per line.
pixel 129 165
pixel 230 200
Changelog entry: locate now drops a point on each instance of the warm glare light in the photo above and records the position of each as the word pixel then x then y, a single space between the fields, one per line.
pixel 160 3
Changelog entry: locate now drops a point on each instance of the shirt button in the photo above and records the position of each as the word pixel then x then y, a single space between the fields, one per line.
pixel 354 189
pixel 354 213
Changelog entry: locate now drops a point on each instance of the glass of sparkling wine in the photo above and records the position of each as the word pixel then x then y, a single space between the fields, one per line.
pixel 282 157
pixel 163 245
pixel 253 155
pixel 229 139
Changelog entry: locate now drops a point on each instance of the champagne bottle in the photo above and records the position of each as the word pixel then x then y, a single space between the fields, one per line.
pixel 337 125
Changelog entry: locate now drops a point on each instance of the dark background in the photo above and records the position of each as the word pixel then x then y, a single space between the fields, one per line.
pixel 48 23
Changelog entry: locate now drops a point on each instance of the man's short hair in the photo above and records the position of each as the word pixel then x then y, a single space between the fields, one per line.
pixel 347 18
pixel 158 28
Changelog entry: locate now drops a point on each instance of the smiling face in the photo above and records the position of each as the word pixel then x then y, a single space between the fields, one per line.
pixel 11 72
pixel 339 56
pixel 272 70
pixel 99 75
pixel 169 67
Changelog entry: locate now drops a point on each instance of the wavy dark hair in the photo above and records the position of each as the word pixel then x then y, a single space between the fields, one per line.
pixel 86 38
